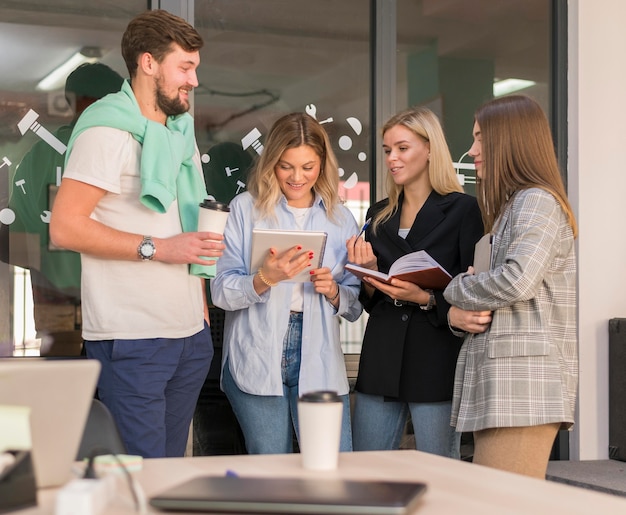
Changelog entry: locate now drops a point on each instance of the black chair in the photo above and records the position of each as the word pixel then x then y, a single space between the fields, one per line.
pixel 101 435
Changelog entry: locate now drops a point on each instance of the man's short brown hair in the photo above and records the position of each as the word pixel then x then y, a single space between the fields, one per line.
pixel 154 32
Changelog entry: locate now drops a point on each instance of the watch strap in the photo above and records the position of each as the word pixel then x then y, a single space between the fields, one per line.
pixel 431 302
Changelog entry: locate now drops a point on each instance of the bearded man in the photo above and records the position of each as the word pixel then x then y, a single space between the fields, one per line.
pixel 128 202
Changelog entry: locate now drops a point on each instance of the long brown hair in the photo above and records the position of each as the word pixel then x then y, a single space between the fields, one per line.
pixel 517 153
pixel 291 131
pixel 425 125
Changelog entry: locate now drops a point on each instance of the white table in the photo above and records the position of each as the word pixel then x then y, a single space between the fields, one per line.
pixel 454 487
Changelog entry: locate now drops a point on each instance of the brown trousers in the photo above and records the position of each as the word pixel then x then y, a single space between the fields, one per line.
pixel 523 450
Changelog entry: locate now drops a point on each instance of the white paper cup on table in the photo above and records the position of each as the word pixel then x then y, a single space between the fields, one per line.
pixel 213 216
pixel 319 421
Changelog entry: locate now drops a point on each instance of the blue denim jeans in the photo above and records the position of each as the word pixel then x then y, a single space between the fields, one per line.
pixel 379 424
pixel 267 420
pixel 151 387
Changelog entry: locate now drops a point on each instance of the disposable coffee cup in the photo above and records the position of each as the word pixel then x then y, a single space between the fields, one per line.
pixel 212 216
pixel 319 421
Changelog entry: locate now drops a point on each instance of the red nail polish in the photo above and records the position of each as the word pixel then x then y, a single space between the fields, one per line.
pixel 299 247
pixel 311 272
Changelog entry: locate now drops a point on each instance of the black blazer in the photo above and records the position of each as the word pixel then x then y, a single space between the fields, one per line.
pixel 410 354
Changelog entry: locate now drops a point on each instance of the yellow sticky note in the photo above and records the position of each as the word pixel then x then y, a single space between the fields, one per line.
pixel 15 428
pixel 107 463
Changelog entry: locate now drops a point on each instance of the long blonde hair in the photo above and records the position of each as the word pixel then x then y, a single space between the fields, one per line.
pixel 422 122
pixel 517 153
pixel 291 131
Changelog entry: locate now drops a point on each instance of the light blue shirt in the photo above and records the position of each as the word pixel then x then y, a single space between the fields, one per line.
pixel 255 325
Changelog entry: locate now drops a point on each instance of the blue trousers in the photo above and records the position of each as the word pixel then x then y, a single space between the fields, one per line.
pixel 151 387
pixel 378 425
pixel 267 420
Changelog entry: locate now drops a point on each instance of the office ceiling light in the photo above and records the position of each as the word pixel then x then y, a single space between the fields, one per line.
pixel 56 78
pixel 507 86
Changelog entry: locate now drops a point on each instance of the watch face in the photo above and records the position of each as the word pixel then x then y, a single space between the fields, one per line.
pixel 147 250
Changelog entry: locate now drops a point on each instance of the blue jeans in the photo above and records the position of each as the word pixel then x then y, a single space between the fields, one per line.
pixel 267 420
pixel 379 424
pixel 151 387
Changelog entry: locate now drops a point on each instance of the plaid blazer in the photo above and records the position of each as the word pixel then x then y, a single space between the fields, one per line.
pixel 523 370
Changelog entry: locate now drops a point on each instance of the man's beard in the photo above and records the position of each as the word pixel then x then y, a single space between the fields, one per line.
pixel 170 106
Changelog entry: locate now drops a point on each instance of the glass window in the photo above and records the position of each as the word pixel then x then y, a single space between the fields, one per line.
pixel 260 60
pixel 453 56
pixel 43 41
pixel 265 59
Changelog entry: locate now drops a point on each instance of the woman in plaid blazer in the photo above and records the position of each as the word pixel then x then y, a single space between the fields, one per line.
pixel 517 371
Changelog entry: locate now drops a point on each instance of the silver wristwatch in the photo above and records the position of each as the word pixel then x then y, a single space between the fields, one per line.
pixel 146 249
pixel 431 302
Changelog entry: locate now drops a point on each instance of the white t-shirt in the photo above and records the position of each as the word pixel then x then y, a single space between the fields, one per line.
pixel 131 299
pixel 297 297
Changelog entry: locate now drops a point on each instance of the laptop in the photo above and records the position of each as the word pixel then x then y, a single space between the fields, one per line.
pixel 290 495
pixel 59 393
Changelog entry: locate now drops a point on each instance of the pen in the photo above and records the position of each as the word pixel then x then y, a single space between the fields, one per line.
pixel 365 226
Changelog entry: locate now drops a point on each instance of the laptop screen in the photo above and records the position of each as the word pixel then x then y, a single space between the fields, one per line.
pixel 59 393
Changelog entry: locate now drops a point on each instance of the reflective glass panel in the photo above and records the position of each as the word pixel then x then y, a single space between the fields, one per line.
pixel 454 55
pixel 265 59
pixel 43 41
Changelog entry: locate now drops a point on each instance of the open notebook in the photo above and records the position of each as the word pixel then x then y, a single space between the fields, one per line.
pixel 290 495
pixel 59 394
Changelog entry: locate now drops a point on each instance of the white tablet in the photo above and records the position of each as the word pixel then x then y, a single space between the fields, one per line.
pixel 282 240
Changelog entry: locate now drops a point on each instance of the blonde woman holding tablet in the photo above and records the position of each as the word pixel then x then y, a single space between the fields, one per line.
pixel 281 338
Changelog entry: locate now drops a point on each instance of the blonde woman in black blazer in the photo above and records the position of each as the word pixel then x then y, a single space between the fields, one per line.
pixel 409 353
pixel 517 373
